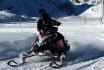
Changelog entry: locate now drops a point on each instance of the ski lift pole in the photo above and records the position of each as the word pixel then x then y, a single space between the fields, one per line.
pixel 3 14
pixel 84 18
pixel 1 20
pixel 19 17
pixel 102 12
pixel 20 21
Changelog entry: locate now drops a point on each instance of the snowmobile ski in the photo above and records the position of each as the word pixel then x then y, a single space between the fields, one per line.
pixel 54 64
pixel 14 63
pixel 58 64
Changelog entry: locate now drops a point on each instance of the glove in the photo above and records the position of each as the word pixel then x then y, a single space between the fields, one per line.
pixel 58 23
pixel 42 31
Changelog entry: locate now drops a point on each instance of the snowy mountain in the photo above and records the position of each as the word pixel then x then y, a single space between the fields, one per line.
pixel 57 8
pixel 26 7
pixel 92 2
pixel 25 10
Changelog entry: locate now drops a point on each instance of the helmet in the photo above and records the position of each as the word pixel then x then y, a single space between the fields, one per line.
pixel 41 12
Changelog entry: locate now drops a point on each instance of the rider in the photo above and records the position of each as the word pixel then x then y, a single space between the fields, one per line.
pixel 45 26
pixel 45 22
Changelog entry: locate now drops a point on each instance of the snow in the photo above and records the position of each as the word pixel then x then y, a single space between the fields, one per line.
pixel 85 37
pixel 86 41
pixel 86 47
pixel 4 14
pixel 94 2
pixel 93 12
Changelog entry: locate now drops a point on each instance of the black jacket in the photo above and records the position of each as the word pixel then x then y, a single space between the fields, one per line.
pixel 46 22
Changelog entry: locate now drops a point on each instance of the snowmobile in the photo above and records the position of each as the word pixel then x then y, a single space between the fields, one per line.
pixel 51 41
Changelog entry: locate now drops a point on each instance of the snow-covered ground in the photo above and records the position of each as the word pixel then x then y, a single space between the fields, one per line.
pixel 86 52
pixel 85 35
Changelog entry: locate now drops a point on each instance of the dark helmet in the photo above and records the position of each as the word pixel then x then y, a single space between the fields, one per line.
pixel 41 12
